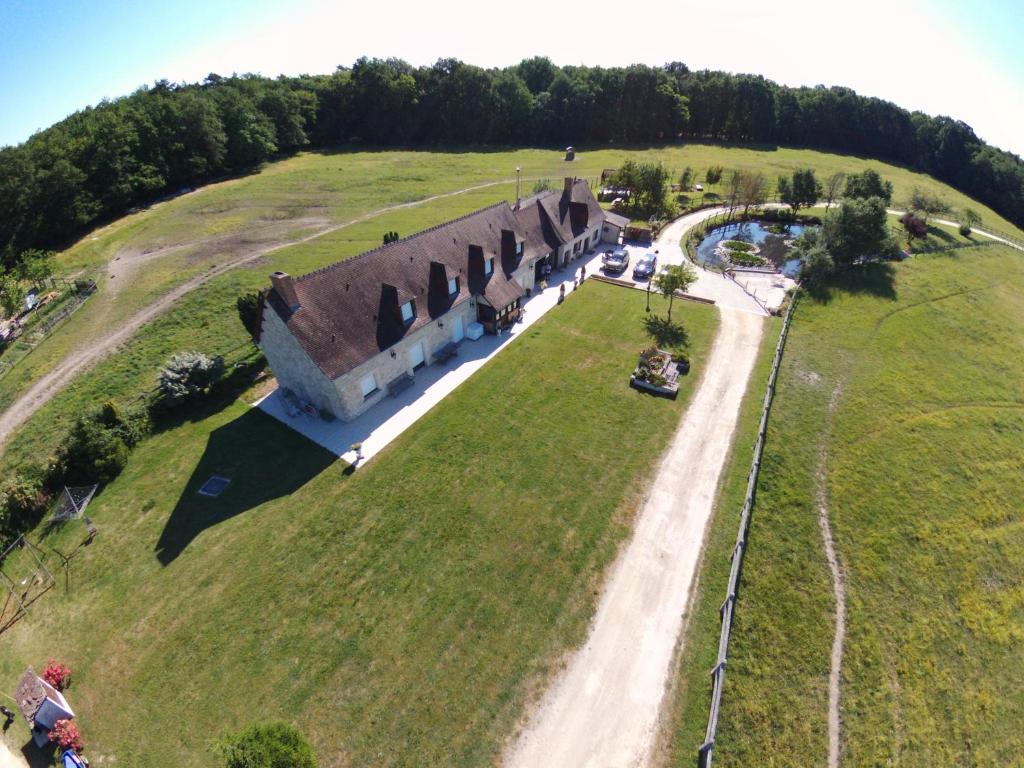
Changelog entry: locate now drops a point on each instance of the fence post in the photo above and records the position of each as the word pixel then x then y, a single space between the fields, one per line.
pixel 705 752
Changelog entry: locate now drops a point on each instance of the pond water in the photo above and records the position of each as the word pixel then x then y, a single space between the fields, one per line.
pixel 772 246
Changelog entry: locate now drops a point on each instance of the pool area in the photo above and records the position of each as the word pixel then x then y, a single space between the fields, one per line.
pixel 770 246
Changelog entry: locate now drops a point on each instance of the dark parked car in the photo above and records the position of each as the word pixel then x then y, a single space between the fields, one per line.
pixel 645 267
pixel 617 261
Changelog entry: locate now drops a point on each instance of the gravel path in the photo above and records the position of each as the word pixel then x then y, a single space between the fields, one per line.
pixel 603 709
pixel 81 360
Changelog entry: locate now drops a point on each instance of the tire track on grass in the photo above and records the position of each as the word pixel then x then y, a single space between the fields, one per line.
pixel 61 375
pixel 838 583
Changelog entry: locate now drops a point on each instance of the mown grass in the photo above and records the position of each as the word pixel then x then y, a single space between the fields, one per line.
pixel 924 480
pixel 402 614
pixel 293 198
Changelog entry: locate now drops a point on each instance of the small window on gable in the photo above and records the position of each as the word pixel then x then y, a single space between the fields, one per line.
pixel 368 384
pixel 488 266
pixel 407 312
pixel 519 248
pixel 453 286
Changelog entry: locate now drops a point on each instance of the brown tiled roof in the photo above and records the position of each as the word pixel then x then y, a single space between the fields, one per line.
pixel 349 312
pixel 30 695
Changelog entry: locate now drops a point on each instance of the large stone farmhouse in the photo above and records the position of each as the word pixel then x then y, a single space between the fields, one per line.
pixel 346 335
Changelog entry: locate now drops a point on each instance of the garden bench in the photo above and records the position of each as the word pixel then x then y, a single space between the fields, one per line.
pixel 399 384
pixel 446 352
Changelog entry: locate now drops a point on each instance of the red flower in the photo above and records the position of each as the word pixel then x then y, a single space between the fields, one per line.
pixel 66 734
pixel 58 675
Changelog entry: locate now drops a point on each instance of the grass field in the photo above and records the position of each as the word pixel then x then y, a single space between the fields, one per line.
pixel 401 615
pixel 910 379
pixel 289 200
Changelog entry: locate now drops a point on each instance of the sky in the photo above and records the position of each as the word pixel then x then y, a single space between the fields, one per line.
pixel 961 58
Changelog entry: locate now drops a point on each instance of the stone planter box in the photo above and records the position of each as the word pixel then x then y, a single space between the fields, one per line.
pixel 672 367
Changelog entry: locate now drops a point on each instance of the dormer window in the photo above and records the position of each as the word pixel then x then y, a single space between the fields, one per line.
pixel 453 286
pixel 488 266
pixel 519 249
pixel 407 313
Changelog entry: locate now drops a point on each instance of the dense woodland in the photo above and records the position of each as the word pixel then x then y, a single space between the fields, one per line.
pixel 103 160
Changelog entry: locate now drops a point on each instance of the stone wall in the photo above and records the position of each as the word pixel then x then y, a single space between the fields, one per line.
pixel 293 368
pixel 386 368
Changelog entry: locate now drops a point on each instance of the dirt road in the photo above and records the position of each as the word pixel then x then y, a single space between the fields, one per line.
pixel 603 709
pixel 58 377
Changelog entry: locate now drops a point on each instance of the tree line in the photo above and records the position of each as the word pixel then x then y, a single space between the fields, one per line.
pixel 103 160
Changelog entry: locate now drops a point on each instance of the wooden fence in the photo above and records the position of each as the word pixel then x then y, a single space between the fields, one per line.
pixel 706 750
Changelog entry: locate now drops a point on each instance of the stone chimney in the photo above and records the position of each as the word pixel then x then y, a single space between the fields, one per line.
pixel 567 189
pixel 284 284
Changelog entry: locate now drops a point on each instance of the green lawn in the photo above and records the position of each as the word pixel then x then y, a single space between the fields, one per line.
pixel 290 199
pixel 923 362
pixel 401 615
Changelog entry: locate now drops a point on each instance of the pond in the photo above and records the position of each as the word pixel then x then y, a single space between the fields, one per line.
pixel 771 246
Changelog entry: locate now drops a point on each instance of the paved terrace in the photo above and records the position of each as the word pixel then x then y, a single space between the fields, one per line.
pixel 376 428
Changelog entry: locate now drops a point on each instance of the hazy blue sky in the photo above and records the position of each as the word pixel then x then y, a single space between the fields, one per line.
pixel 963 58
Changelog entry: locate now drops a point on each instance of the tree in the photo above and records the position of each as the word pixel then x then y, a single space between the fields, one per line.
pixel 753 190
pixel 248 306
pixel 677 277
pixel 969 219
pixel 36 265
pixel 186 376
pixel 686 178
pixel 914 226
pixel 11 294
pixel 647 183
pixel 867 184
pixel 832 188
pixel 927 203
pixel 713 175
pixel 273 745
pixel 804 190
pixel 734 187
pixel 92 453
pixel 858 229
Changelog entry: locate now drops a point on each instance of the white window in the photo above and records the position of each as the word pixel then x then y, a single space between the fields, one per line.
pixel 407 312
pixel 519 248
pixel 488 266
pixel 368 384
pixel 453 286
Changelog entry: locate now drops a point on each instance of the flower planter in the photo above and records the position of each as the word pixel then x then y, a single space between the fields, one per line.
pixel 658 371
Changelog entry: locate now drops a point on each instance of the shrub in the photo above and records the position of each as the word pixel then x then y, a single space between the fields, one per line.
pixel 914 225
pixel 67 735
pixel 22 504
pixel 965 230
pixel 92 453
pixel 271 745
pixel 248 306
pixel 58 675
pixel 186 377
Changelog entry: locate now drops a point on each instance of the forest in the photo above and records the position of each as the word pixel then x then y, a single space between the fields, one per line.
pixel 103 160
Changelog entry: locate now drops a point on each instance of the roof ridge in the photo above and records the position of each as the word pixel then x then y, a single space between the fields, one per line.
pixel 413 236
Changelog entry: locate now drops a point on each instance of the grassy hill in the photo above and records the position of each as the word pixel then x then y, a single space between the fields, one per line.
pixel 400 614
pixel 909 379
pixel 343 194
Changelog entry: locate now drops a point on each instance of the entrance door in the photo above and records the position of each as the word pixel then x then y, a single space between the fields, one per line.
pixel 416 356
pixel 458 332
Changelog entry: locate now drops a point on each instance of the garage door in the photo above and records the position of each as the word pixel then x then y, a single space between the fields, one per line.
pixel 458 332
pixel 416 355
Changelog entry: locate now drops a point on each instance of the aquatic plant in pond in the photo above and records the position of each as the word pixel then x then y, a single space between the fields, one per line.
pixel 769 243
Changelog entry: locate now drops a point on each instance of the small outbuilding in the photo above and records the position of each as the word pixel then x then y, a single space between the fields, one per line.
pixel 614 227
pixel 41 705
